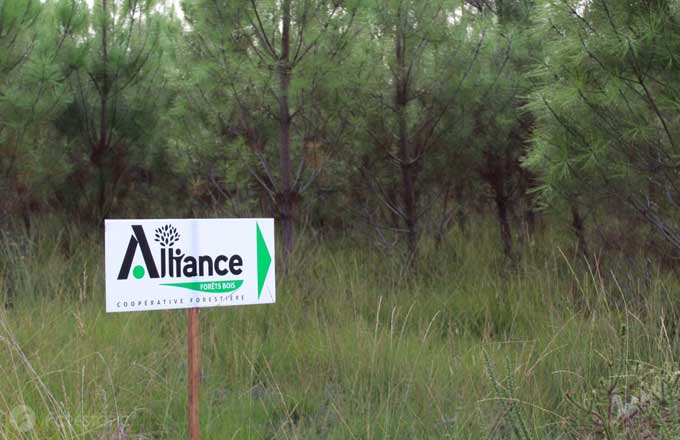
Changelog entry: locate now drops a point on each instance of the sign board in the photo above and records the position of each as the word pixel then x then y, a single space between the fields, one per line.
pixel 178 264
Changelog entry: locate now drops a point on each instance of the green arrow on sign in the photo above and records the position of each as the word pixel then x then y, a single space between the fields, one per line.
pixel 264 260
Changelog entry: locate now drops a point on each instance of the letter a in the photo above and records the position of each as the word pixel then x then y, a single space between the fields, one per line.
pixel 137 239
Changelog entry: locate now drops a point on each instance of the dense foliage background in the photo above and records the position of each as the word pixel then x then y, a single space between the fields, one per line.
pixel 477 202
pixel 394 117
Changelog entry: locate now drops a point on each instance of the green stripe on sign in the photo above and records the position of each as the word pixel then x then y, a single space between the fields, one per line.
pixel 264 260
pixel 209 286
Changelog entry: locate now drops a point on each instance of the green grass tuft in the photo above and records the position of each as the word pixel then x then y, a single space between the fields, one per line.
pixel 352 349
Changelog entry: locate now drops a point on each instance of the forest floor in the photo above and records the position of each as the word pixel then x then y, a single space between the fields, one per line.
pixel 466 346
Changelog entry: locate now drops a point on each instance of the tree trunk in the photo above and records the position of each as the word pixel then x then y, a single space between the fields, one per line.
pixel 410 212
pixel 503 223
pixel 578 225
pixel 285 201
pixel 102 144
pixel 445 219
pixel 406 159
pixel 461 217
pixel 530 220
pixel 101 183
pixel 527 183
pixel 496 173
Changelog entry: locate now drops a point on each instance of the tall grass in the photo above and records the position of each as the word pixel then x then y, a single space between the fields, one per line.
pixel 466 346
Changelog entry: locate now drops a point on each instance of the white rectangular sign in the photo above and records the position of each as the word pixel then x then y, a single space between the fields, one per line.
pixel 177 264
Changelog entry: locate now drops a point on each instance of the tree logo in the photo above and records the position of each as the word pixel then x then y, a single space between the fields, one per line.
pixel 167 235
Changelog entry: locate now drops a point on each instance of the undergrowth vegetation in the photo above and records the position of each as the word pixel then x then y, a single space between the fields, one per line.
pixel 466 346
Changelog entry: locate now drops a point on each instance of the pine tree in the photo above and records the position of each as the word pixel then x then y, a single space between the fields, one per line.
pixel 31 93
pixel 116 66
pixel 608 129
pixel 500 127
pixel 257 67
pixel 420 54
